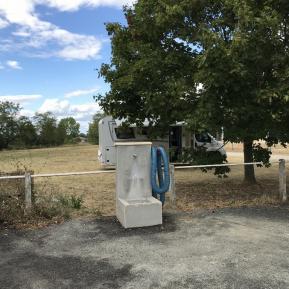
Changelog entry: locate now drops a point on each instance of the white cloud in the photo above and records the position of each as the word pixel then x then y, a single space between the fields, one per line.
pixel 85 108
pixel 13 64
pixel 27 112
pixel 21 98
pixel 82 113
pixel 55 106
pixel 47 39
pixel 19 12
pixel 63 108
pixel 80 92
pixel 3 23
pixel 88 49
pixel 199 87
pixel 72 5
pixel 23 12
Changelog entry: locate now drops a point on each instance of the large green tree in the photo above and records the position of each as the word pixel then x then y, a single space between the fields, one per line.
pixel 46 127
pixel 212 63
pixel 68 130
pixel 26 133
pixel 8 123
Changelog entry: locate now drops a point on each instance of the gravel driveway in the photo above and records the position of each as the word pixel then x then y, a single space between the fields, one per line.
pixel 232 248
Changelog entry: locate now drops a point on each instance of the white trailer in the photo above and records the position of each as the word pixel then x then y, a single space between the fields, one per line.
pixel 177 138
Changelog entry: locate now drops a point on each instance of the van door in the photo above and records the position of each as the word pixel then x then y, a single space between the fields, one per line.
pixel 175 142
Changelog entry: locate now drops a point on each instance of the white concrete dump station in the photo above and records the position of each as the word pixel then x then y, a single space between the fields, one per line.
pixel 135 206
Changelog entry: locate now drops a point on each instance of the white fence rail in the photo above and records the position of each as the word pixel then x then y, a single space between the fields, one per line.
pixel 28 181
pixel 28 178
pixel 218 165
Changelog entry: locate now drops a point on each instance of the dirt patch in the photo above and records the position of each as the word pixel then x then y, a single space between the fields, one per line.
pixel 196 190
pixel 212 196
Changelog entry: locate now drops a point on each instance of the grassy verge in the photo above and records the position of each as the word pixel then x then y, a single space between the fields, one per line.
pixel 60 198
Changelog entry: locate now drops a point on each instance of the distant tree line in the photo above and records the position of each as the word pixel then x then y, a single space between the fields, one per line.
pixel 43 129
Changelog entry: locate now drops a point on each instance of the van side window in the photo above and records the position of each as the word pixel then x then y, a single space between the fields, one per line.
pixel 203 137
pixel 124 132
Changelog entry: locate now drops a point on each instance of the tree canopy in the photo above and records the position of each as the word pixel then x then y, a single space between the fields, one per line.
pixel 212 63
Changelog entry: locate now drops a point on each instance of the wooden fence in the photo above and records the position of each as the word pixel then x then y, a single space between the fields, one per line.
pixel 28 178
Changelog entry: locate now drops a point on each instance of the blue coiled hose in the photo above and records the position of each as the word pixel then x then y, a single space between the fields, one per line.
pixel 159 158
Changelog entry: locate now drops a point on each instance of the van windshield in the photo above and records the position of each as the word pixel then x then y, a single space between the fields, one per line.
pixel 203 137
pixel 124 132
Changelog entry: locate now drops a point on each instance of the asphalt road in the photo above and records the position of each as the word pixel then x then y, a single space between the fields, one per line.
pixel 230 249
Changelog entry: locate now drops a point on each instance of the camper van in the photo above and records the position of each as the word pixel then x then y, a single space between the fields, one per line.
pixel 178 138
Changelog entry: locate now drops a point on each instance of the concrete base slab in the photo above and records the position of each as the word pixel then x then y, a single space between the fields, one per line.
pixel 139 213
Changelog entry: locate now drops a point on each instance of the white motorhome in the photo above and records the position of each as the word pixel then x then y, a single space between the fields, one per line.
pixel 178 138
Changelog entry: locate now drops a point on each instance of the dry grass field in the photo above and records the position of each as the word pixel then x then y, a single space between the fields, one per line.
pixel 195 189
pixel 238 147
pixel 97 191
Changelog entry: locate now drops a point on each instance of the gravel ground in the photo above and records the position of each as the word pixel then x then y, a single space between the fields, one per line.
pixel 231 248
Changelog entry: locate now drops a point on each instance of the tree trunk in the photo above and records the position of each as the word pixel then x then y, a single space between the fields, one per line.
pixel 249 171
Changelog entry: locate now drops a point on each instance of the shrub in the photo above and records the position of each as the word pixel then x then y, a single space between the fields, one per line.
pixel 73 202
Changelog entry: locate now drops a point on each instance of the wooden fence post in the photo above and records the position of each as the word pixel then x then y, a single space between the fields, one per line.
pixel 172 186
pixel 28 191
pixel 282 180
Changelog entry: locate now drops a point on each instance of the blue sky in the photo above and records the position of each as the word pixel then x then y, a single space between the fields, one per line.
pixel 49 53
